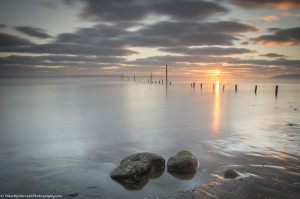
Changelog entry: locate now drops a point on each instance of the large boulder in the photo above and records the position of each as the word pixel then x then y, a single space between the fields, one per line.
pixel 183 162
pixel 230 173
pixel 135 167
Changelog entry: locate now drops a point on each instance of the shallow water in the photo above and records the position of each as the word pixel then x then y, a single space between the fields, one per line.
pixel 62 136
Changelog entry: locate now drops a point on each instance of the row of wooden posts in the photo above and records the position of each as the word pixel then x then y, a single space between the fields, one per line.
pixel 193 85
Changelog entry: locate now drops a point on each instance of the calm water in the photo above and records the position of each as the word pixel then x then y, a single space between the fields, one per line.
pixel 59 136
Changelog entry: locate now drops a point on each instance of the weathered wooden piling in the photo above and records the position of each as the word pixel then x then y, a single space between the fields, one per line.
pixel 151 78
pixel 166 75
pixel 255 90
pixel 236 88
pixel 201 86
pixel 214 86
pixel 134 77
pixel 276 90
pixel 223 87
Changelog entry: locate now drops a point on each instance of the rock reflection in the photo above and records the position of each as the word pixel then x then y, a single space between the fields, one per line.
pixel 140 184
pixel 182 176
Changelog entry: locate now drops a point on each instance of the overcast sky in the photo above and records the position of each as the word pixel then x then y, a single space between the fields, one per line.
pixel 242 39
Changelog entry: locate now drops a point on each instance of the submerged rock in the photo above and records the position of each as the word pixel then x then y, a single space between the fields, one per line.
pixel 74 194
pixel 183 162
pixel 135 167
pixel 230 173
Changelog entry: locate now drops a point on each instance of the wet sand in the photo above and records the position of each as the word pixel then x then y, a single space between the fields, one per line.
pixel 262 180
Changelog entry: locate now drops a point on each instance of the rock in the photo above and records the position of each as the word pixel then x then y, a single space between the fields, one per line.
pixel 74 194
pixel 183 162
pixel 135 167
pixel 230 173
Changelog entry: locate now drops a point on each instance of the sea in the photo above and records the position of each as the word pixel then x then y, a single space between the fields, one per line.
pixel 61 137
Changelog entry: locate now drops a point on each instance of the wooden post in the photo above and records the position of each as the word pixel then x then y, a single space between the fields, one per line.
pixel 213 87
pixel 223 87
pixel 201 86
pixel 151 78
pixel 166 75
pixel 255 90
pixel 134 77
pixel 236 88
pixel 276 90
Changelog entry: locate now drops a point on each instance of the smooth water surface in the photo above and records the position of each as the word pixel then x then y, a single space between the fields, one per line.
pixel 60 136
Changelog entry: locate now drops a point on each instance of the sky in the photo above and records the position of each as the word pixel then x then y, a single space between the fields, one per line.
pixel 195 38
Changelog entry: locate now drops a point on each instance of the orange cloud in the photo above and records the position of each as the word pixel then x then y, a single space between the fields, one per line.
pixel 288 14
pixel 268 18
pixel 280 4
pixel 275 43
pixel 287 5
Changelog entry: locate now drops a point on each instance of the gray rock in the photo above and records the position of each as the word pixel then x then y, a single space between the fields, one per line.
pixel 74 194
pixel 230 173
pixel 135 167
pixel 183 162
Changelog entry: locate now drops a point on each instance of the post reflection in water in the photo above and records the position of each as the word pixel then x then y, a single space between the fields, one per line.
pixel 216 111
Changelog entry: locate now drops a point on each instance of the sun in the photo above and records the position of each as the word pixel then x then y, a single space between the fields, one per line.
pixel 218 72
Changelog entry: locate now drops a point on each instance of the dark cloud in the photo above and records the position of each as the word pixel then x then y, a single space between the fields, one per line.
pixel 231 27
pixel 273 55
pixel 54 65
pixel 171 34
pixel 273 29
pixel 161 34
pixel 117 10
pixel 7 40
pixel 281 4
pixel 47 3
pixel 290 36
pixel 44 60
pixel 132 10
pixel 34 32
pixel 179 28
pixel 175 60
pixel 104 35
pixel 70 49
pixel 206 51
pixel 99 41
pixel 244 42
pixel 3 26
pixel 112 40
pixel 187 9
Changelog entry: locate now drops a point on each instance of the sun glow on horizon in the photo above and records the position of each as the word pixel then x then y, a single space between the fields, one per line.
pixel 218 72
